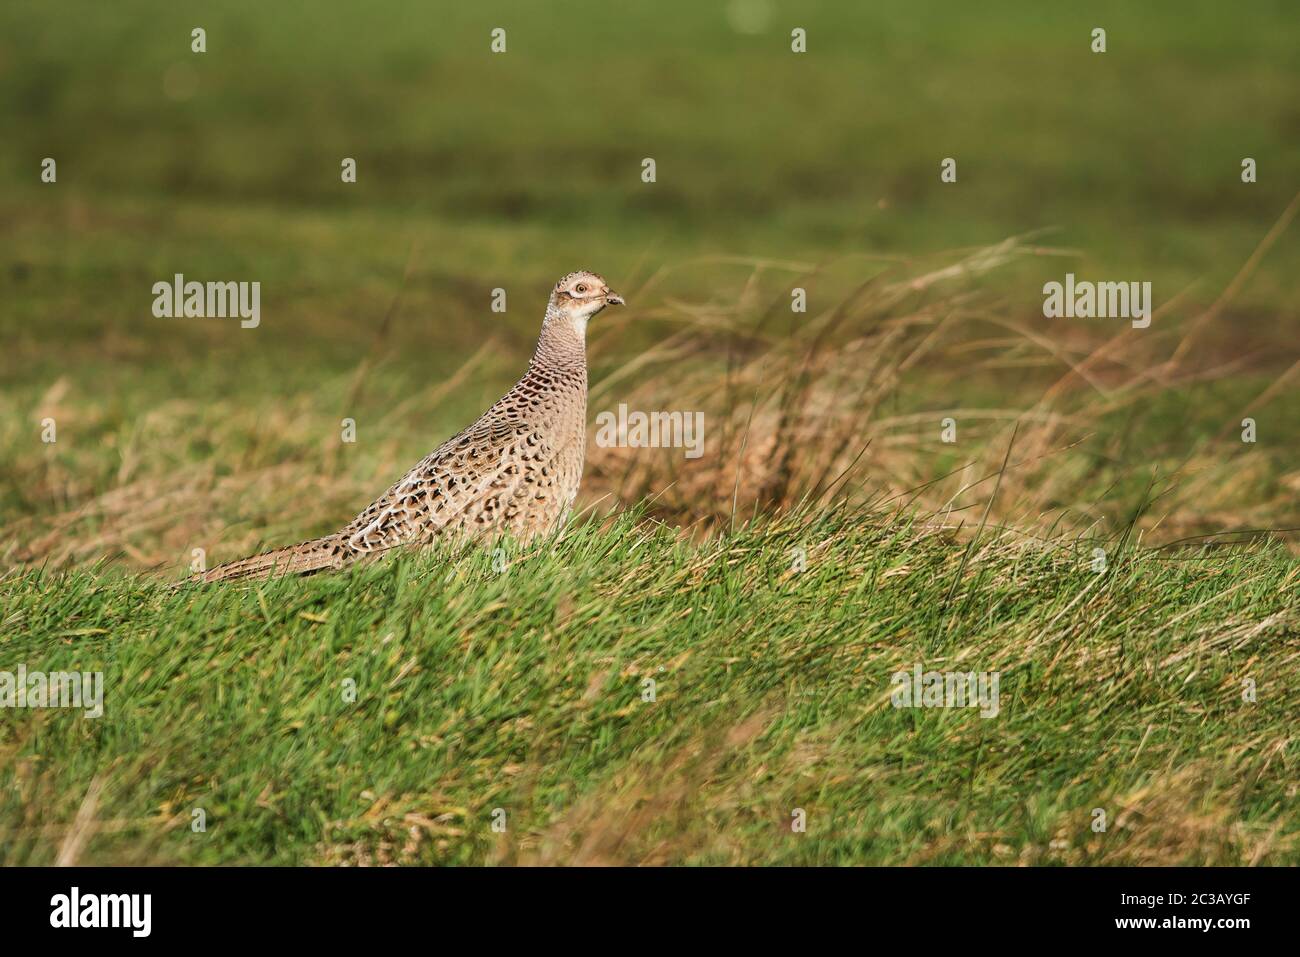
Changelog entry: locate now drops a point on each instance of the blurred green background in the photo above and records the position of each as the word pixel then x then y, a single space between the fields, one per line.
pixel 523 164
pixel 478 170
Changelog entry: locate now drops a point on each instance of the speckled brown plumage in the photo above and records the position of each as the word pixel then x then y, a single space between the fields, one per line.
pixel 516 469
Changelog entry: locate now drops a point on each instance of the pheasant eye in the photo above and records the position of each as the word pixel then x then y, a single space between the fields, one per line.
pixel 580 287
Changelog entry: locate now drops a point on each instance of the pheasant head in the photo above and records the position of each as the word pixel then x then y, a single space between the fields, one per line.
pixel 579 296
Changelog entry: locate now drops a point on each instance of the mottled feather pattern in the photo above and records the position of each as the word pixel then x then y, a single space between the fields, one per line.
pixel 516 469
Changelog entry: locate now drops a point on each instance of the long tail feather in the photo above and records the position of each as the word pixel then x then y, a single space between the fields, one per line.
pixel 303 559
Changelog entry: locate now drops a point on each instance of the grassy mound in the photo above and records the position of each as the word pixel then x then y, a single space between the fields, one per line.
pixel 518 681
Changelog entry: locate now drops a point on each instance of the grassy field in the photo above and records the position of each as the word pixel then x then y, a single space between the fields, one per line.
pixel 524 690
pixel 1121 689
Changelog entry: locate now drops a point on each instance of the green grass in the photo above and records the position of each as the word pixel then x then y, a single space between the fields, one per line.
pixel 521 168
pixel 523 690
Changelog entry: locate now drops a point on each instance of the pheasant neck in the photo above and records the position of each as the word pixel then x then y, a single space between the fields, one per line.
pixel 561 348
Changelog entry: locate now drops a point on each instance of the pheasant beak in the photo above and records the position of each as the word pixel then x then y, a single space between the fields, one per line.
pixel 613 299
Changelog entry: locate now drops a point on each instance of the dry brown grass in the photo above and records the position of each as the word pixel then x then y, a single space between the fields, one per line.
pixel 808 408
pixel 842 402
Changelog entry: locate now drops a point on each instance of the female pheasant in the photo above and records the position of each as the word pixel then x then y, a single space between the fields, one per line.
pixel 516 469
